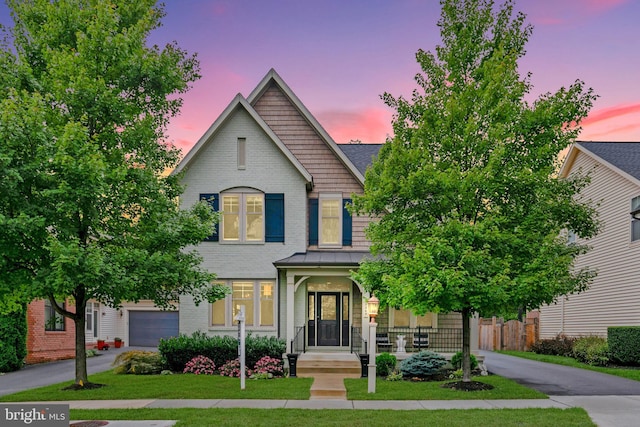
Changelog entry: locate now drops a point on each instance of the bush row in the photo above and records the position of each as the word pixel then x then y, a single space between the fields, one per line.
pixel 178 351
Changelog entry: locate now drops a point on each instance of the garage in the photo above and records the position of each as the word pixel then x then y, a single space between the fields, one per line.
pixel 147 327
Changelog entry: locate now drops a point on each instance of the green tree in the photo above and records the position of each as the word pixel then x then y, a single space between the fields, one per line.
pixel 469 209
pixel 87 210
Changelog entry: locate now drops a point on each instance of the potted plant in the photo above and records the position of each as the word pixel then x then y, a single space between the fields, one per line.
pixel 117 342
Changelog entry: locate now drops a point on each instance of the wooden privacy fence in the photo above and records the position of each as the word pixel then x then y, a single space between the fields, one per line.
pixel 496 334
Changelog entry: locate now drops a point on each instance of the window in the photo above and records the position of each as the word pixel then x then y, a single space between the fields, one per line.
pixel 242 153
pixel 242 217
pixel 329 221
pixel 406 319
pixel 53 321
pixel 635 219
pixel 247 217
pixel 330 231
pixel 257 298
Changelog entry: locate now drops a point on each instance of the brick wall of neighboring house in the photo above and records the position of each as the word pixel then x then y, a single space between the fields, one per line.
pixel 45 346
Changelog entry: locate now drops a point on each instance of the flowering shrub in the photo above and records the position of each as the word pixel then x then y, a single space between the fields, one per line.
pixel 269 365
pixel 200 365
pixel 232 369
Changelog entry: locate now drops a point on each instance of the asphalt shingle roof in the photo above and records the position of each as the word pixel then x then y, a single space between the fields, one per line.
pixel 361 155
pixel 323 258
pixel 623 155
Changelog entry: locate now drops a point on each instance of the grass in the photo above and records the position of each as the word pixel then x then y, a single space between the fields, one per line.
pixel 179 386
pixel 548 417
pixel 431 390
pixel 622 371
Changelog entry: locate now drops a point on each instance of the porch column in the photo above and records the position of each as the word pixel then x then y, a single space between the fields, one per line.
pixel 290 312
pixel 474 344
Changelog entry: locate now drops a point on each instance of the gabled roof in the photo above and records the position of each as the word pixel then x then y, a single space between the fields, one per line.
pixel 623 157
pixel 361 155
pixel 240 102
pixel 273 77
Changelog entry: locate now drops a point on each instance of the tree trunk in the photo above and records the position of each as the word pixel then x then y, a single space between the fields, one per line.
pixel 466 347
pixel 81 351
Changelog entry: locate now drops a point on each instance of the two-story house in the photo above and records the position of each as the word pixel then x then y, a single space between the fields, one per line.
pixel 286 243
pixel 613 299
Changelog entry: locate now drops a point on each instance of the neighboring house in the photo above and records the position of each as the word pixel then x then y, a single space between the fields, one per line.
pixel 49 335
pixel 613 299
pixel 285 244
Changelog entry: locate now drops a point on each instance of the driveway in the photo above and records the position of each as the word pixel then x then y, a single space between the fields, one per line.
pixel 42 374
pixel 559 380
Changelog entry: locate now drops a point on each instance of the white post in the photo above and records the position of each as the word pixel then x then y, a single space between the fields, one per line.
pixel 372 357
pixel 241 343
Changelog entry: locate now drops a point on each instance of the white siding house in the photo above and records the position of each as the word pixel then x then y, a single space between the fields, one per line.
pixel 613 299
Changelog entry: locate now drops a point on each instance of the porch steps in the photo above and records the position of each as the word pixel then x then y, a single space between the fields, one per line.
pixel 328 371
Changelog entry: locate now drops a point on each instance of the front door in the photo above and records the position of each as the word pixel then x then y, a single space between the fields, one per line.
pixel 328 318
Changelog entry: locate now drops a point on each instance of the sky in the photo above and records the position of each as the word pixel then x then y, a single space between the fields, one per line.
pixel 339 56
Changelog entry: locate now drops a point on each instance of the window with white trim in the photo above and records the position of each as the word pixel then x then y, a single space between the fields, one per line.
pixel 401 318
pixel 243 217
pixel 258 298
pixel 53 321
pixel 330 221
pixel 635 219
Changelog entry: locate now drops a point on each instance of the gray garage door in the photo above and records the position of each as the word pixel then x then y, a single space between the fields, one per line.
pixel 147 327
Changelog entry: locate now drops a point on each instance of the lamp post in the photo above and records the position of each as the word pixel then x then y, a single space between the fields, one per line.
pixel 372 306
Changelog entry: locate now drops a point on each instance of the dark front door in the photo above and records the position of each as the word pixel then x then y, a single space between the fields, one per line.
pixel 328 318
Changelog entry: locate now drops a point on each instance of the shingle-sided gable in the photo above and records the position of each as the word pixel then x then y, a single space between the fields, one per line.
pixel 304 137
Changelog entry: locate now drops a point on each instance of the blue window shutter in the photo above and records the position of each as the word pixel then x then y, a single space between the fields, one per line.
pixel 346 223
pixel 313 222
pixel 213 200
pixel 274 217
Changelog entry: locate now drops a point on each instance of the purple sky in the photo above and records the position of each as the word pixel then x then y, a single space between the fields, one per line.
pixel 338 56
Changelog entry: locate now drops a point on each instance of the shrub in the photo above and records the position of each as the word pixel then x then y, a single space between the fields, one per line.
pixel 385 364
pixel 13 345
pixel 456 361
pixel 138 362
pixel 591 350
pixel 258 347
pixel 422 365
pixel 177 351
pixel 200 365
pixel 624 344
pixel 232 369
pixel 558 346
pixel 269 365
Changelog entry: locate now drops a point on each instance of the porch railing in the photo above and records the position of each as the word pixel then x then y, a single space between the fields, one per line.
pixel 358 344
pixel 299 341
pixel 439 340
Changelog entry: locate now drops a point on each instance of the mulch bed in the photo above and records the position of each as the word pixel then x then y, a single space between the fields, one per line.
pixel 85 386
pixel 467 386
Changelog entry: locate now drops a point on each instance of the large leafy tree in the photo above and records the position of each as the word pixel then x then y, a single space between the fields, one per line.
pixel 87 210
pixel 469 208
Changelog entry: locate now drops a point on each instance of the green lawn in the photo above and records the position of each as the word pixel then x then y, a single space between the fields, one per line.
pixel 177 386
pixel 216 387
pixel 625 372
pixel 353 418
pixel 432 390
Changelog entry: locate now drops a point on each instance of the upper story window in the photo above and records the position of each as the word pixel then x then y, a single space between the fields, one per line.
pixel 635 219
pixel 247 217
pixel 53 321
pixel 242 153
pixel 243 217
pixel 329 221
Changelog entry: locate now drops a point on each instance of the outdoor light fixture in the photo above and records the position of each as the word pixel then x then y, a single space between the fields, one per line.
pixel 372 306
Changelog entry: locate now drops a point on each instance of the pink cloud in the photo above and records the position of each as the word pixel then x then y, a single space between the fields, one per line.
pixel 552 12
pixel 610 113
pixel 371 125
